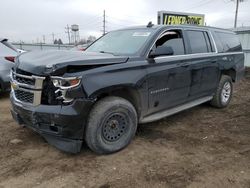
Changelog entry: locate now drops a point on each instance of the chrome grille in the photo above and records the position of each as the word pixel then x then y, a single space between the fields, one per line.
pixel 24 96
pixel 25 80
pixel 27 88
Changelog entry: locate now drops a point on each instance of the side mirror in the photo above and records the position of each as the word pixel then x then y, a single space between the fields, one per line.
pixel 162 50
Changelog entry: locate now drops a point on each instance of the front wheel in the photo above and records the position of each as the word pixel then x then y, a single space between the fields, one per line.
pixel 224 92
pixel 111 125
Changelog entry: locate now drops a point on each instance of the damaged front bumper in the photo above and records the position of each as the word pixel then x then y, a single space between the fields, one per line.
pixel 61 126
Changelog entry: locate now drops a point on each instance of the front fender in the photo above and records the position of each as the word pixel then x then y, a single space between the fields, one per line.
pixel 93 84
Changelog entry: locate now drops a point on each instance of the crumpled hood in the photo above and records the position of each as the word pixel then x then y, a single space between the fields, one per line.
pixel 49 61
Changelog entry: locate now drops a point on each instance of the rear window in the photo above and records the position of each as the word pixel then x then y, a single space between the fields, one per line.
pixel 230 42
pixel 198 42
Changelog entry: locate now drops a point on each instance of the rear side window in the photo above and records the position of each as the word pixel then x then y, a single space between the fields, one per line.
pixel 230 42
pixel 198 42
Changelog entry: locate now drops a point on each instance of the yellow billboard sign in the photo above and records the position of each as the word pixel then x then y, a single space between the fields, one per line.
pixel 171 18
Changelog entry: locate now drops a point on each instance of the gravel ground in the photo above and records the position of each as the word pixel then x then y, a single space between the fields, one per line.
pixel 200 147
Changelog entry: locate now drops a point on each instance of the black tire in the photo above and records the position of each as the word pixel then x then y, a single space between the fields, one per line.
pixel 111 125
pixel 219 99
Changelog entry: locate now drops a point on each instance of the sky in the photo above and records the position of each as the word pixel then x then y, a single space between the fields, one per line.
pixel 34 20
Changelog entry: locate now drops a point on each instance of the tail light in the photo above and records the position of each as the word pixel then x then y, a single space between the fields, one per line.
pixel 10 58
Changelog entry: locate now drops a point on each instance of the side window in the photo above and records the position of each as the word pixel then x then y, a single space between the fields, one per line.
pixel 198 42
pixel 172 39
pixel 209 44
pixel 218 42
pixel 230 41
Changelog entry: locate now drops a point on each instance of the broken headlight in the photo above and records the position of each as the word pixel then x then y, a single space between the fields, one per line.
pixel 65 83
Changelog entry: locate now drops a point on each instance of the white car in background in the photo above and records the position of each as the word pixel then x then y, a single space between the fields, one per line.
pixel 7 58
pixel 80 47
pixel 21 51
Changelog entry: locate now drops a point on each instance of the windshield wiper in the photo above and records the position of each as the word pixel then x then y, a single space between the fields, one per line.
pixel 104 52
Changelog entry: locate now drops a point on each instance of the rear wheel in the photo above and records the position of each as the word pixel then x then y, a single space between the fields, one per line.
pixel 111 125
pixel 223 92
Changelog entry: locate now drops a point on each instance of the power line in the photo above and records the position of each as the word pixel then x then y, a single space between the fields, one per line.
pixel 194 4
pixel 121 25
pixel 199 5
pixel 227 1
pixel 122 20
pixel 94 19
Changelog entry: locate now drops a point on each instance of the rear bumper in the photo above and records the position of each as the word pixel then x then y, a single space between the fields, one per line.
pixel 62 126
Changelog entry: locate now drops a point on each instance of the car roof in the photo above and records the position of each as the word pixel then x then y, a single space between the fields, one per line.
pixel 159 27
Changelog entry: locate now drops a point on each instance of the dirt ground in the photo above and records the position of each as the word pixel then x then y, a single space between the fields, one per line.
pixel 200 147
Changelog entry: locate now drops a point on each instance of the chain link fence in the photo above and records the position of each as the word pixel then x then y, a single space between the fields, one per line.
pixel 42 46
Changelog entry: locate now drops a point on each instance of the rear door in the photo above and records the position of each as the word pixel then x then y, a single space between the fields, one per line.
pixel 203 63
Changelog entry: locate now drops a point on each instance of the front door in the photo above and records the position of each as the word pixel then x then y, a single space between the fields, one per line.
pixel 168 84
pixel 169 77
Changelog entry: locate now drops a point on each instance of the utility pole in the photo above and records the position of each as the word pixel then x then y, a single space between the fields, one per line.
pixel 104 22
pixel 53 38
pixel 44 39
pixel 68 32
pixel 236 12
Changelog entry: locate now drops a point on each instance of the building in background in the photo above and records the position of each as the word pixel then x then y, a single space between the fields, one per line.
pixel 244 35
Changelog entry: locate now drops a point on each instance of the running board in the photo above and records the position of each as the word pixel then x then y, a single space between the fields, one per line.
pixel 166 113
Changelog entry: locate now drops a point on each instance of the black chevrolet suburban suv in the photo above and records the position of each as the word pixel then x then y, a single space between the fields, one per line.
pixel 129 76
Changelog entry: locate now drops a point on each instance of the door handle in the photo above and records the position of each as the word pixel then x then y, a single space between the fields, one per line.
pixel 184 64
pixel 224 58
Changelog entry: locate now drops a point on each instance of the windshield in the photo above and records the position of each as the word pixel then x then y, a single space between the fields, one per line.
pixel 122 42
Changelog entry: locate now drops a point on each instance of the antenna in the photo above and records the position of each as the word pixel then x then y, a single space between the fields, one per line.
pixel 150 24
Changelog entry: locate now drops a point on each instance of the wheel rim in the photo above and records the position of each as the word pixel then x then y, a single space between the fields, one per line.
pixel 115 127
pixel 226 92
